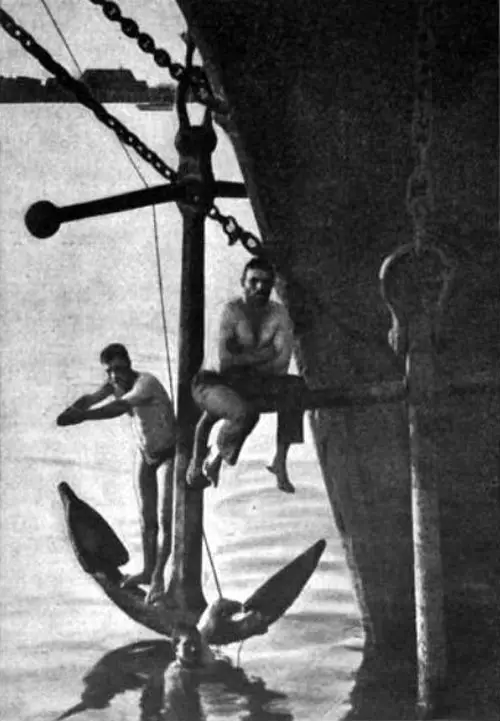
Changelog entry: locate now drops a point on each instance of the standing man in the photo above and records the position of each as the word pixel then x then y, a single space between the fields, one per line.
pixel 255 348
pixel 144 398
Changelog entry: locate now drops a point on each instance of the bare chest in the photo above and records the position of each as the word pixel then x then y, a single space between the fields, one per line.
pixel 254 330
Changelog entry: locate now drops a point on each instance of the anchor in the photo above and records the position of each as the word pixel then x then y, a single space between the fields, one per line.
pixel 98 549
pixel 101 553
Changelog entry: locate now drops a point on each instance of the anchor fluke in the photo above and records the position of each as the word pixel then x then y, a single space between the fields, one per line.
pixel 226 621
pixel 42 219
pixel 73 710
pixel 96 545
pixel 279 592
pixel 100 553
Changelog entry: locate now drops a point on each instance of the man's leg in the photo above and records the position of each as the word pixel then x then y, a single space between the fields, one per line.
pixel 240 417
pixel 147 493
pixel 290 429
pixel 278 467
pixel 194 475
pixel 165 476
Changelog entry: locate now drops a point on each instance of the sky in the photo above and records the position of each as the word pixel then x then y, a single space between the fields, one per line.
pixel 94 40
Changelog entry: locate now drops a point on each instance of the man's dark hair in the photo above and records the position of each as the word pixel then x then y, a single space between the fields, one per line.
pixel 259 264
pixel 114 350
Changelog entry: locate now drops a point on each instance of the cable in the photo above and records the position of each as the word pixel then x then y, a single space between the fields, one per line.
pixel 61 35
pixel 155 220
pixel 216 578
pixel 158 266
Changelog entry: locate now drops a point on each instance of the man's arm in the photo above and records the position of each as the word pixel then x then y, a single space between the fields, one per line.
pixel 281 344
pixel 140 395
pixel 111 410
pixel 82 409
pixel 75 412
pixel 92 399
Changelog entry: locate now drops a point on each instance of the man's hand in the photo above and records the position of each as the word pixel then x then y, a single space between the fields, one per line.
pixel 71 417
pixel 250 357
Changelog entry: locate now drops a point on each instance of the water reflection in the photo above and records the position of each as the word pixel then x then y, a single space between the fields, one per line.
pixel 170 691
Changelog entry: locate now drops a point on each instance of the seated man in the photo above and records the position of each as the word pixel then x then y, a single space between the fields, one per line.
pixel 255 347
pixel 144 398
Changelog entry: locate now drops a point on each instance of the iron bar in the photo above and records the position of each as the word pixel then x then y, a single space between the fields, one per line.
pixel 428 571
pixel 43 219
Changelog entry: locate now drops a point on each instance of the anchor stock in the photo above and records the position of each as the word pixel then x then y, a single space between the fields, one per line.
pixel 43 219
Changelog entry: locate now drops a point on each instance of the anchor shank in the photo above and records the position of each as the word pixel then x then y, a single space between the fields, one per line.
pixel 415 286
pixel 184 587
pixel 429 591
pixel 195 145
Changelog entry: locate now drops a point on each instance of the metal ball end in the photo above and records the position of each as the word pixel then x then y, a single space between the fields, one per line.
pixel 42 219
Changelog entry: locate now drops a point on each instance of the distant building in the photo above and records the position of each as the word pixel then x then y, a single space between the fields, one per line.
pixel 106 85
pixel 21 89
pixel 55 93
pixel 114 85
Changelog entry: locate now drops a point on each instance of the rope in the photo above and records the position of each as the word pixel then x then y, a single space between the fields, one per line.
pixel 158 268
pixel 214 571
pixel 153 209
pixel 61 35
pixel 159 277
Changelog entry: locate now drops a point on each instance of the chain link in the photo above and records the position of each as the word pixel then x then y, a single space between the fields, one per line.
pixel 234 232
pixel 84 96
pixel 202 92
pixel 197 78
pixel 419 194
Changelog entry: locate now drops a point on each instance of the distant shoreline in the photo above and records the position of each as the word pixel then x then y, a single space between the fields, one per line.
pixel 106 86
pixel 141 104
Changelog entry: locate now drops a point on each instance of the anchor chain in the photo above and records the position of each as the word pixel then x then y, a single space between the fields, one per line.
pixel 422 264
pixel 419 195
pixel 83 95
pixel 232 229
pixel 198 79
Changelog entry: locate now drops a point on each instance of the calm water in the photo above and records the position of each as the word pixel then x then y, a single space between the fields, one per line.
pixel 62 300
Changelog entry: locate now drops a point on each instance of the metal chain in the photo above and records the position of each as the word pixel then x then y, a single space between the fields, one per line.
pixel 419 195
pixel 83 95
pixel 197 78
pixel 201 89
pixel 234 232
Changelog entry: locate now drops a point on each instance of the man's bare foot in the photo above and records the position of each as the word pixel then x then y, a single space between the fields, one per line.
pixel 196 479
pixel 137 579
pixel 283 482
pixel 156 591
pixel 211 470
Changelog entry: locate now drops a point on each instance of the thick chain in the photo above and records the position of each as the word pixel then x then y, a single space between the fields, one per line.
pixel 419 196
pixel 197 78
pixel 83 95
pixel 234 232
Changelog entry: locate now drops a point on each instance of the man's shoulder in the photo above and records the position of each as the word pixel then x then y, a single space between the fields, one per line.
pixel 144 377
pixel 277 306
pixel 233 306
pixel 279 310
pixel 147 380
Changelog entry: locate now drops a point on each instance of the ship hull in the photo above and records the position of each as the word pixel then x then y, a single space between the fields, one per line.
pixel 321 103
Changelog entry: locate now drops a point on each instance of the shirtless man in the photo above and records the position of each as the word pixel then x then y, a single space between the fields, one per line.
pixel 255 348
pixel 144 398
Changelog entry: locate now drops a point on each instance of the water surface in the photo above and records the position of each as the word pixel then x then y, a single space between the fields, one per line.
pixel 62 300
